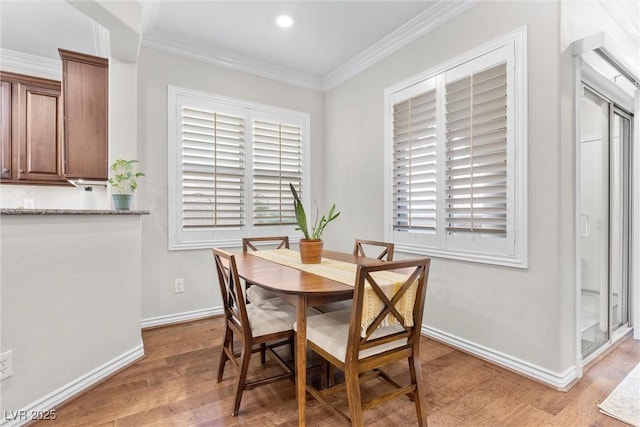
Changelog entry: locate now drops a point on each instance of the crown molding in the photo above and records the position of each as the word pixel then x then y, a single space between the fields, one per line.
pixel 424 23
pixel 100 40
pixel 178 46
pixel 33 65
pixel 625 16
pixel 149 15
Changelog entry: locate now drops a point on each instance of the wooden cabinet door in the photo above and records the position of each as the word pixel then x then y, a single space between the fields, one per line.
pixel 85 82
pixel 37 132
pixel 5 130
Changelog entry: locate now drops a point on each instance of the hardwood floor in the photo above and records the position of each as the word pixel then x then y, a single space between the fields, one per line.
pixel 175 385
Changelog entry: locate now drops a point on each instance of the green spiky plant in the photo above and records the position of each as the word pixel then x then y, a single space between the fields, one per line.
pixel 301 218
pixel 123 180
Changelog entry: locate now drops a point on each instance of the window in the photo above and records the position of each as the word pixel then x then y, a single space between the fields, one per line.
pixel 456 157
pixel 230 165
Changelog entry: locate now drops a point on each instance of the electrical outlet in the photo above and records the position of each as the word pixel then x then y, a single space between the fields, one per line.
pixel 179 285
pixel 6 365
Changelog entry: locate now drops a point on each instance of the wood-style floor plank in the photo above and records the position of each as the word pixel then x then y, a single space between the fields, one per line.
pixel 175 385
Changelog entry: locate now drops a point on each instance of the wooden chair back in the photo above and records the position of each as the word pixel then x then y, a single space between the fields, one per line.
pixel 416 282
pixel 386 249
pixel 254 293
pixel 275 242
pixel 235 309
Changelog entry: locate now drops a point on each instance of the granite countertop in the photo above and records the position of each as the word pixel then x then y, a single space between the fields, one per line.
pixel 32 212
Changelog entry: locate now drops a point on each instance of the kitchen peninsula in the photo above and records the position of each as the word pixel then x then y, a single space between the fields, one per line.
pixel 70 300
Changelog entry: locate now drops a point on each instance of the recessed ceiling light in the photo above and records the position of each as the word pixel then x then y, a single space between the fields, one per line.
pixel 284 21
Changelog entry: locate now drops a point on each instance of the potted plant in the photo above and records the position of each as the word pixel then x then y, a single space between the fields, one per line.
pixel 311 245
pixel 124 182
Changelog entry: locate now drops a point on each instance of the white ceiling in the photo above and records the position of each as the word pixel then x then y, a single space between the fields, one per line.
pixel 325 35
pixel 329 42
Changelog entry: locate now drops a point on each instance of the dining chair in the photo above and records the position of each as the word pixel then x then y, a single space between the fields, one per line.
pixel 266 324
pixel 359 247
pixel 391 334
pixel 256 293
pixel 386 253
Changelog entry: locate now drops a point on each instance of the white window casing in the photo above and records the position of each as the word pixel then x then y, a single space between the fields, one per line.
pixel 455 150
pixel 230 164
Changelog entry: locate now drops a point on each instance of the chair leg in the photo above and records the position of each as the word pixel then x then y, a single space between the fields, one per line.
pixel 328 374
pixel 245 357
pixel 416 378
pixel 228 338
pixel 331 375
pixel 263 353
pixel 292 350
pixel 352 382
pixel 324 367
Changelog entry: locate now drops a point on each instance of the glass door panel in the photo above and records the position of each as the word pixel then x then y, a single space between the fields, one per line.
pixel 594 215
pixel 619 209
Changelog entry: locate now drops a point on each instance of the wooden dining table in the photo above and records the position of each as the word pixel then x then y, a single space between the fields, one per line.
pixel 301 289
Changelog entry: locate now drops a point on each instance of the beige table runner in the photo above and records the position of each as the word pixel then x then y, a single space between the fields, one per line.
pixel 345 273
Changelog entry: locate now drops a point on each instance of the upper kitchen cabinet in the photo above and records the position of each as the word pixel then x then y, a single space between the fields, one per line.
pixel 5 129
pixel 31 133
pixel 85 88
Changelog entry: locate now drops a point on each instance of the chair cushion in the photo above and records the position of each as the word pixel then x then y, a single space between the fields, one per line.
pixel 273 315
pixel 257 293
pixel 330 331
pixel 270 316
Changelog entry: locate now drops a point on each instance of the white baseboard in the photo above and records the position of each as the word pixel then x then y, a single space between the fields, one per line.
pixel 72 389
pixel 557 380
pixel 169 319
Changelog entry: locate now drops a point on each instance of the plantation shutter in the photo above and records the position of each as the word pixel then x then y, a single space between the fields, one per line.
pixel 414 163
pixel 277 161
pixel 476 153
pixel 212 151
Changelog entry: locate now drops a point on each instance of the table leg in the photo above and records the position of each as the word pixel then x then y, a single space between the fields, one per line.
pixel 301 358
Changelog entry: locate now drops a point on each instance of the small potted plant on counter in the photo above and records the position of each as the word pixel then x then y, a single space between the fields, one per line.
pixel 311 245
pixel 124 182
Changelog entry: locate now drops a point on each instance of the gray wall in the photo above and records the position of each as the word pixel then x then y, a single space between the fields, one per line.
pixel 514 312
pixel 160 267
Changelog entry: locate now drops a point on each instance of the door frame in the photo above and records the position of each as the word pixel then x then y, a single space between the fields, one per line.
pixel 584 73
